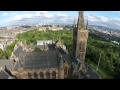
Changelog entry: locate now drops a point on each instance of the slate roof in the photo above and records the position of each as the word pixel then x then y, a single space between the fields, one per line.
pixel 76 62
pixel 67 58
pixel 92 74
pixel 3 75
pixel 79 75
pixel 37 60
pixel 18 51
pixel 8 63
pixel 89 74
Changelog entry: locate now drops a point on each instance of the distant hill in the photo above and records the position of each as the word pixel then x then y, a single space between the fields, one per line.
pixel 103 28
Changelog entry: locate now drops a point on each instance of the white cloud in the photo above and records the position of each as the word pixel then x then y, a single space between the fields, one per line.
pixel 13 14
pixel 22 16
pixel 43 16
pixel 92 18
pixel 5 14
pixel 8 14
pixel 39 13
pixel 61 15
pixel 25 11
pixel 42 12
pixel 117 11
pixel 49 17
pixel 104 20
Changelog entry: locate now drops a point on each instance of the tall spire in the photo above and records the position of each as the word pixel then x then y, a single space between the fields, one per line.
pixel 87 24
pixel 74 25
pixel 80 23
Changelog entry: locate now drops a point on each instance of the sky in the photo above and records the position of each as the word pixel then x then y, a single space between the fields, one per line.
pixel 103 18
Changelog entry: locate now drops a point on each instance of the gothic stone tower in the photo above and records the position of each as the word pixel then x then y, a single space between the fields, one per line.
pixel 80 36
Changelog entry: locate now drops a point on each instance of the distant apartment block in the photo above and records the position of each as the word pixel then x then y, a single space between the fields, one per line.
pixel 44 42
pixel 2 46
pixel 115 42
pixel 50 28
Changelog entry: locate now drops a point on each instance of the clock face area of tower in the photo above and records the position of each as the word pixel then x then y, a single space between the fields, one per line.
pixel 83 34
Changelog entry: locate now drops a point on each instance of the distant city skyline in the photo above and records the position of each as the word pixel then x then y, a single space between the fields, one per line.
pixel 103 18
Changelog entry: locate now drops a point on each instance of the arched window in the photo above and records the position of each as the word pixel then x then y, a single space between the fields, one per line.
pixel 47 75
pixel 65 71
pixel 82 56
pixel 64 61
pixel 35 75
pixel 29 75
pixel 80 46
pixel 83 46
pixel 41 75
pixel 53 75
pixel 84 35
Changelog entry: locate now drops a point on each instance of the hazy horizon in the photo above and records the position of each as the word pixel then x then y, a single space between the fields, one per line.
pixel 102 18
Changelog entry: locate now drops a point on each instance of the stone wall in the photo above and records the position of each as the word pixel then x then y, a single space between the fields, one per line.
pixel 36 74
pixel 53 73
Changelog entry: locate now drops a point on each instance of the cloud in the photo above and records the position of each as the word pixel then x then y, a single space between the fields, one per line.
pixel 12 13
pixel 117 11
pixel 55 17
pixel 8 14
pixel 5 14
pixel 42 17
pixel 104 21
pixel 94 18
pixel 61 15
pixel 22 16
pixel 39 13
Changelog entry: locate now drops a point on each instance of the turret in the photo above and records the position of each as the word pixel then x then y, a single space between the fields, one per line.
pixel 74 24
pixel 61 68
pixel 87 25
pixel 80 24
pixel 61 62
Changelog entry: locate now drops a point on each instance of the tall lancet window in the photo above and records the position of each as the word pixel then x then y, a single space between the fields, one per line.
pixel 53 75
pixel 41 75
pixel 35 75
pixel 81 46
pixel 47 75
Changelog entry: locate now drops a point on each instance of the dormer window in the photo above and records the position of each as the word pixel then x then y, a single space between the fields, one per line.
pixel 64 61
pixel 14 60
